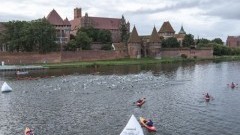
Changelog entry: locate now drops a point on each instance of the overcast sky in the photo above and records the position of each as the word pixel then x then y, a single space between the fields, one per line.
pixel 202 18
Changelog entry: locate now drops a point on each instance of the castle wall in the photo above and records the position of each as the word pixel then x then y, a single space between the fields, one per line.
pixel 56 57
pixel 191 53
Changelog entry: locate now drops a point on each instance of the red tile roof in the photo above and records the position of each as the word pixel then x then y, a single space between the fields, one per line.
pixel 134 38
pixel 154 37
pixel 166 28
pixel 54 18
pixel 66 22
pixel 104 23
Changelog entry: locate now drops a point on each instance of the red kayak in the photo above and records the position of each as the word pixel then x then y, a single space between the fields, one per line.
pixel 150 128
pixel 140 103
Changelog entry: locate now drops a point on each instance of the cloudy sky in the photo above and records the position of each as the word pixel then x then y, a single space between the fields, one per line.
pixel 202 18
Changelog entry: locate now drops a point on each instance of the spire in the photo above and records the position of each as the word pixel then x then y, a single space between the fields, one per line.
pixel 134 38
pixel 154 37
pixel 181 31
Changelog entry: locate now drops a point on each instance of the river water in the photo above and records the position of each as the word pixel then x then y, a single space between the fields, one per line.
pixel 100 100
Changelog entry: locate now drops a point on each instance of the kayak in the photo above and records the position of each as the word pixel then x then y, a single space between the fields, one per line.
pixel 22 72
pixel 232 86
pixel 140 103
pixel 150 128
pixel 28 131
pixel 133 127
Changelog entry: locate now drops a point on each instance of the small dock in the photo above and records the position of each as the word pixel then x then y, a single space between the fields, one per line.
pixel 20 68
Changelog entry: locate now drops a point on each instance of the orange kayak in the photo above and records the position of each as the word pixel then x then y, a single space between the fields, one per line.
pixel 150 128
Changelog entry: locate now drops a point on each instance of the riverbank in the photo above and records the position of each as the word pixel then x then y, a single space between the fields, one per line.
pixel 128 61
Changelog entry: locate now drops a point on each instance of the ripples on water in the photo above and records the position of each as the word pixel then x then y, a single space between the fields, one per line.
pixel 102 104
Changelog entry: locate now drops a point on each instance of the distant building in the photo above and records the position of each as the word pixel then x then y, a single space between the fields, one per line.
pixel 114 25
pixel 233 41
pixel 62 27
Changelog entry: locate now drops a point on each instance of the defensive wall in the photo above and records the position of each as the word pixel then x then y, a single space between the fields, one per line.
pixel 92 55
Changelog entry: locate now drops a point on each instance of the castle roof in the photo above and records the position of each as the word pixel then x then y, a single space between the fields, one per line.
pixel 166 28
pixel 104 23
pixel 154 37
pixel 54 18
pixel 66 22
pixel 182 31
pixel 134 38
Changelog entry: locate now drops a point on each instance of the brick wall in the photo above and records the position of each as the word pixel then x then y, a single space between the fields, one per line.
pixel 29 58
pixel 92 55
pixel 176 52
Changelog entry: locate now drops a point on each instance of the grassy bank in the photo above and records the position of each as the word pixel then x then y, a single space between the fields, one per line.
pixel 137 61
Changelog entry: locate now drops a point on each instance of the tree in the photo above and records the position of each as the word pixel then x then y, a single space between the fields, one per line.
pixel 188 40
pixel 83 41
pixel 104 36
pixel 37 35
pixel 218 41
pixel 170 42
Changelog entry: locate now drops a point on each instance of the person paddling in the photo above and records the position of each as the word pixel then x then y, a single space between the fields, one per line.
pixel 207 95
pixel 149 122
pixel 140 100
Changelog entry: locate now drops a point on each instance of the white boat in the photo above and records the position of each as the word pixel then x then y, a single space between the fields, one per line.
pixel 6 87
pixel 22 72
pixel 133 127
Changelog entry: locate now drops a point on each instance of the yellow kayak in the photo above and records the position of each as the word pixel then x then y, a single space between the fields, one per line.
pixel 143 123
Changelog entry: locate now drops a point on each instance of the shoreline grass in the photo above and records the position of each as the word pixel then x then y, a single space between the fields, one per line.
pixel 128 61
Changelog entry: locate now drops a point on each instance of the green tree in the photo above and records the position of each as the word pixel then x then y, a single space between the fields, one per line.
pixel 104 36
pixel 170 42
pixel 188 40
pixel 37 35
pixel 83 41
pixel 218 41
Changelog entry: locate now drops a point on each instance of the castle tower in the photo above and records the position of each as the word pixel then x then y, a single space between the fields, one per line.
pixel 134 44
pixel 180 36
pixel 154 44
pixel 77 13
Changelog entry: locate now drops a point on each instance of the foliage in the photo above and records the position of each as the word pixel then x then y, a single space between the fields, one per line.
pixel 170 42
pixel 184 56
pixel 188 40
pixel 220 50
pixel 217 41
pixel 37 35
pixel 124 31
pixel 86 35
pixel 83 41
pixel 71 46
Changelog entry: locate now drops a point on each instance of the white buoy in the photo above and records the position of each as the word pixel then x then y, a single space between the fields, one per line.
pixel 6 87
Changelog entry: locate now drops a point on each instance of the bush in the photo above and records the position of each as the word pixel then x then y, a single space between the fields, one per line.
pixel 184 56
